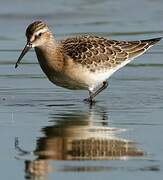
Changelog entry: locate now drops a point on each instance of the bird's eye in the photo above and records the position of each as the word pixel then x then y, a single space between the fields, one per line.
pixel 40 34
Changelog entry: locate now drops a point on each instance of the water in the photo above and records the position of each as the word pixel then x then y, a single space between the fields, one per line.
pixel 47 132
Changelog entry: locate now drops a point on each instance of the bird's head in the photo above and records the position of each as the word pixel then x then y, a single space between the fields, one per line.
pixel 37 34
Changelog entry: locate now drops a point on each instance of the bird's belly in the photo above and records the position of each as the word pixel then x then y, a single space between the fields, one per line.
pixel 68 83
pixel 81 80
pixel 74 76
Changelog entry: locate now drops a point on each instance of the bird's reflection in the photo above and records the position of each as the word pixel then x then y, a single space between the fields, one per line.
pixel 79 136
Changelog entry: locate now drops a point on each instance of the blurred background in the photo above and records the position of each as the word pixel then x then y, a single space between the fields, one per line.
pixel 47 132
pixel 124 19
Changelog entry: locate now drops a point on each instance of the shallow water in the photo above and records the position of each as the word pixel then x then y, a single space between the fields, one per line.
pixel 47 132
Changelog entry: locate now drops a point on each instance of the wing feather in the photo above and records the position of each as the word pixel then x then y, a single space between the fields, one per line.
pixel 99 53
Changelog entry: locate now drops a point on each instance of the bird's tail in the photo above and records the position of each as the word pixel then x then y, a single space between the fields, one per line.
pixel 142 46
pixel 151 42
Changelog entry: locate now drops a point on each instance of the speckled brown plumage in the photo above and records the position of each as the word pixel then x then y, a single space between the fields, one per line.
pixel 97 53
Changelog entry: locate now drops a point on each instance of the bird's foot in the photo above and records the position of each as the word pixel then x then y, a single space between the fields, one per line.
pixel 89 100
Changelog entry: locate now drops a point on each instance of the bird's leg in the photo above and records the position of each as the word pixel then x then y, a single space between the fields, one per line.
pixel 104 86
pixel 92 95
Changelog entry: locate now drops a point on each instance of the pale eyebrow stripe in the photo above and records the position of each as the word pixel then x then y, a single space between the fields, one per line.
pixel 41 31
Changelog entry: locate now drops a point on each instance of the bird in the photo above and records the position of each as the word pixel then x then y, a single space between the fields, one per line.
pixel 83 62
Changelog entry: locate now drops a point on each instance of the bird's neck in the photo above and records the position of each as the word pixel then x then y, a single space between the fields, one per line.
pixel 50 57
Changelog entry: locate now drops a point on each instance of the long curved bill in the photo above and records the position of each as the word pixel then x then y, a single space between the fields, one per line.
pixel 27 47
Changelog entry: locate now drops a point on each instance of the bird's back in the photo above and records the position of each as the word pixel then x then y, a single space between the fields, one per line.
pixel 99 54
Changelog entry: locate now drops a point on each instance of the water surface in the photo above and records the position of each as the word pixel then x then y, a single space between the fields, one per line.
pixel 47 132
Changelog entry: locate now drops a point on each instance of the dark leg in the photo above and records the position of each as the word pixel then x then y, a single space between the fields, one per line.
pixel 92 95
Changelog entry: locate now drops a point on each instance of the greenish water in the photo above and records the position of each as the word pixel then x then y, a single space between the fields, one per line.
pixel 47 132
